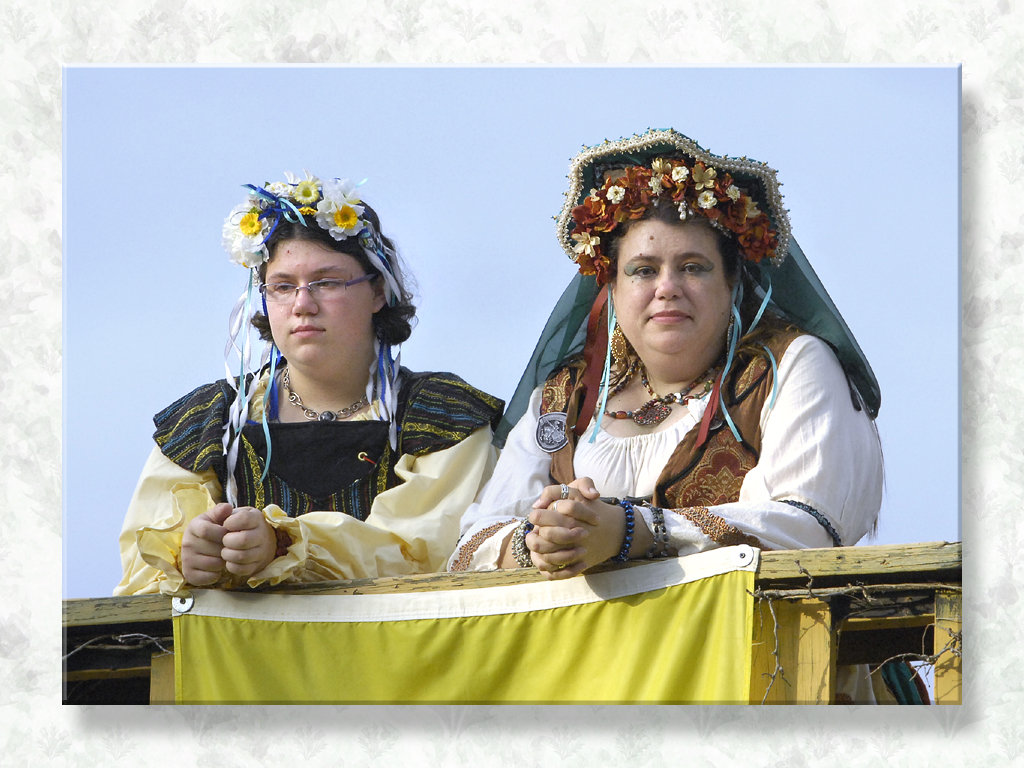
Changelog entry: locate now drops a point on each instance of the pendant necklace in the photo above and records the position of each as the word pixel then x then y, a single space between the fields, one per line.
pixel 312 415
pixel 658 408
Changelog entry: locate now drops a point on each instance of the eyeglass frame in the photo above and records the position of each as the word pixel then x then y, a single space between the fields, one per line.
pixel 309 287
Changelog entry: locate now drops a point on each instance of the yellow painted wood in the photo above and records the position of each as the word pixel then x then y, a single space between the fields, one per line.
pixel 857 624
pixel 806 651
pixel 161 679
pixel 949 667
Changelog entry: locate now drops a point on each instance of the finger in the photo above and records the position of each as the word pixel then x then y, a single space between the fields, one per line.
pixel 550 494
pixel 241 569
pixel 241 556
pixel 553 493
pixel 567 572
pixel 219 513
pixel 200 530
pixel 557 536
pixel 244 519
pixel 205 563
pixel 240 540
pixel 567 514
pixel 556 516
pixel 198 578
pixel 586 487
pixel 557 561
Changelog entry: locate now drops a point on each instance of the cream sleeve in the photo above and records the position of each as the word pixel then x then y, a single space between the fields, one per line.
pixel 411 528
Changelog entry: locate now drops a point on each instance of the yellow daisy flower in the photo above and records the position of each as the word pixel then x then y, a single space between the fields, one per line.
pixel 307 191
pixel 250 224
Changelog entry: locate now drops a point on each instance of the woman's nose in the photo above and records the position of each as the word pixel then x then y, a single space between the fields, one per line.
pixel 669 284
pixel 304 303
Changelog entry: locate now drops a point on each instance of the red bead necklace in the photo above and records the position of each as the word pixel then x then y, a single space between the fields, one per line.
pixel 658 408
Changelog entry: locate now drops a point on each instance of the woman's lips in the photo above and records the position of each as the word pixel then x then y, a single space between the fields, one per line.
pixel 669 317
pixel 305 331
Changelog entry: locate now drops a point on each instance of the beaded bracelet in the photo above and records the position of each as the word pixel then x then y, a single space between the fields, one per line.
pixel 519 549
pixel 627 540
pixel 659 548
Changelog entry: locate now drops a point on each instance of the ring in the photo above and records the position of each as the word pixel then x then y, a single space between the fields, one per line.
pixel 565 491
pixel 554 507
pixel 560 567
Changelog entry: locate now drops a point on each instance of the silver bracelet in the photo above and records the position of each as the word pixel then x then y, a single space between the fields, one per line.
pixel 659 548
pixel 519 548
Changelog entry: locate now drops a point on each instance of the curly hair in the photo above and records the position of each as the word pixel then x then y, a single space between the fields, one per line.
pixel 392 324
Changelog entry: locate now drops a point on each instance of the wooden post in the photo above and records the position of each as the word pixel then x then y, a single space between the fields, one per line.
pixel 806 652
pixel 161 679
pixel 949 667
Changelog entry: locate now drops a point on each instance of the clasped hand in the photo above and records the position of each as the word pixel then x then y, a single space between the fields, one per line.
pixel 238 541
pixel 576 533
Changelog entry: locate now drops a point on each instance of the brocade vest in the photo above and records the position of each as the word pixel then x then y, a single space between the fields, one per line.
pixel 325 466
pixel 695 476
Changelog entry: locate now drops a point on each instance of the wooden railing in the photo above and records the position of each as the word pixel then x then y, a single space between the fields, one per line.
pixel 815 610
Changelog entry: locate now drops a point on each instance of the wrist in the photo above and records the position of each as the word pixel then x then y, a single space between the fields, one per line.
pixel 627 536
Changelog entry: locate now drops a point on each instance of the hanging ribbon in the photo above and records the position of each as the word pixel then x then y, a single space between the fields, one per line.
pixel 606 375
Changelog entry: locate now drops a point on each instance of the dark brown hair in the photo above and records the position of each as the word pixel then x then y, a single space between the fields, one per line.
pixel 392 324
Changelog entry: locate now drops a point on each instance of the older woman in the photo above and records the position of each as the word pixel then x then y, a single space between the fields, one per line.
pixel 330 462
pixel 702 412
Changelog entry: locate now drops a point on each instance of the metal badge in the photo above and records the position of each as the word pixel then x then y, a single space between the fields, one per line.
pixel 551 432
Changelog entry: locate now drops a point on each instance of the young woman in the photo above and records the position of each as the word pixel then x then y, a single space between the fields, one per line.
pixel 331 461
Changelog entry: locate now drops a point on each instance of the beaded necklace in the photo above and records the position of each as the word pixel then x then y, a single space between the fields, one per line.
pixel 657 409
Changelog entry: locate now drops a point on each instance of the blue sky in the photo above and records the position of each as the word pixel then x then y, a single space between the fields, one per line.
pixel 467 168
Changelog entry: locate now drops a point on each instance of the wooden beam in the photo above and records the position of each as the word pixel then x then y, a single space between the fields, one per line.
pixel 844 562
pixel 949 667
pixel 854 562
pixel 116 610
pixel 161 681
pixel 806 651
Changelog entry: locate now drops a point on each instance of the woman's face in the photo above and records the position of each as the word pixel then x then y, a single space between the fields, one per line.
pixel 334 331
pixel 671 295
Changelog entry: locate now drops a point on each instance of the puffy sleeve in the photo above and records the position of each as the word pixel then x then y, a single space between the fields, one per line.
pixel 411 528
pixel 818 481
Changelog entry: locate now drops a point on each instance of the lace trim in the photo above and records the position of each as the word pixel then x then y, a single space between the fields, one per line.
pixel 718 530
pixel 822 520
pixel 467 550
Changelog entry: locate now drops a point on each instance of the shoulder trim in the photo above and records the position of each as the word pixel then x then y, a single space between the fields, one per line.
pixel 441 410
pixel 190 430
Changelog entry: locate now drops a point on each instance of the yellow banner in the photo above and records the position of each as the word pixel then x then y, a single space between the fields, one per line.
pixel 668 632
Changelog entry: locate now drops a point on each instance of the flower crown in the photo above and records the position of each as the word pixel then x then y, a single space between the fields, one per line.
pixel 333 203
pixel 681 174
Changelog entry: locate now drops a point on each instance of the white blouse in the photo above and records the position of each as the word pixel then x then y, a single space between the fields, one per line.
pixel 816 450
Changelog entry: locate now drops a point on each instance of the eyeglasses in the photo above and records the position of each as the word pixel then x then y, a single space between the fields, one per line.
pixel 319 290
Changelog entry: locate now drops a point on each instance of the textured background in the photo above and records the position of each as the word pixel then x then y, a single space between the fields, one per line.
pixel 36 38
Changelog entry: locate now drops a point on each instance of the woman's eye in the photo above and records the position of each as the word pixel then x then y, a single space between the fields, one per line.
pixel 280 289
pixel 639 271
pixel 330 286
pixel 692 268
